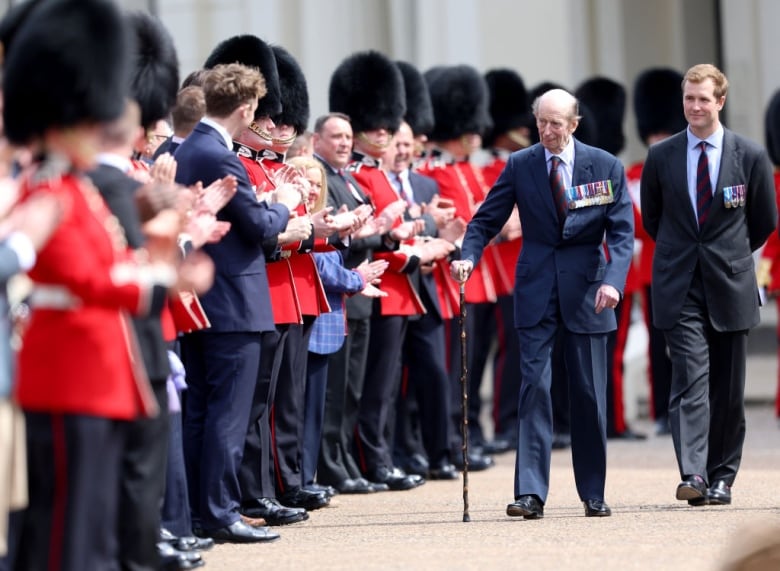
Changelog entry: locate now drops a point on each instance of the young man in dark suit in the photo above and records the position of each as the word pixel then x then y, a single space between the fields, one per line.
pixel 708 201
pixel 222 362
pixel 563 283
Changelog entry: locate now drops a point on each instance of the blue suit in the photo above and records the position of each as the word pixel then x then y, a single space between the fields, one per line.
pixel 223 362
pixel 558 274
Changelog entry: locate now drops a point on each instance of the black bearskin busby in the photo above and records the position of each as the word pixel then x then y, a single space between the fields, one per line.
pixel 460 102
pixel 251 51
pixel 658 102
pixel 369 88
pixel 68 64
pixel 772 128
pixel 606 99
pixel 294 93
pixel 509 105
pixel 155 76
pixel 419 111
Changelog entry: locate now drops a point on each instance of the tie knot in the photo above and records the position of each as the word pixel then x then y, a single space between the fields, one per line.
pixel 555 160
pixel 703 146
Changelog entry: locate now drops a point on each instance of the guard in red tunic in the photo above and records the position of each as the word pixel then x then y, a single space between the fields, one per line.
pixel 460 105
pixel 80 375
pixel 659 114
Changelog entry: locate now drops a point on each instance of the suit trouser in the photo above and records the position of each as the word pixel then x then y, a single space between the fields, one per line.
pixel 707 405
pixel 586 363
pixel 289 408
pixel 346 370
pixel 484 329
pixel 314 416
pixel 424 407
pixel 176 502
pixel 256 474
pixel 222 370
pixel 380 391
pixel 507 380
pixel 142 482
pixel 71 521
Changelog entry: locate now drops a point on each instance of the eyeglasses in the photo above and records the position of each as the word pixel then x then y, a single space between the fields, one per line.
pixel 157 137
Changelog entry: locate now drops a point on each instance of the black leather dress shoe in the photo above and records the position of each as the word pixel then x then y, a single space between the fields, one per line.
pixel 477 461
pixel 355 486
pixel 329 491
pixel 395 478
pixel 497 446
pixel 597 508
pixel 239 532
pixel 719 494
pixel 443 471
pixel 272 511
pixel 691 488
pixel 561 441
pixel 528 507
pixel 627 434
pixel 415 464
pixel 300 498
pixel 172 559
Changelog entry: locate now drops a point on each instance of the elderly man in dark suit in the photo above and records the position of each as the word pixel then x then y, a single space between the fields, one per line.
pixel 563 282
pixel 708 201
pixel 222 362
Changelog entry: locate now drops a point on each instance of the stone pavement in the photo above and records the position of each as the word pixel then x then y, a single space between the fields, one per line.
pixel 423 530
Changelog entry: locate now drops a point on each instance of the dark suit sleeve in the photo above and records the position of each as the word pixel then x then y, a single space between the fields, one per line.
pixel 254 221
pixel 619 229
pixel 760 203
pixel 492 214
pixel 650 196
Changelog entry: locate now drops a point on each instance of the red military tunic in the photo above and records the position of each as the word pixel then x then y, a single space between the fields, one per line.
pixel 79 354
pixel 402 298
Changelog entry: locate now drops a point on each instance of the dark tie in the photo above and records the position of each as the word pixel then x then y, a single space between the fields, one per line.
pixel 703 186
pixel 558 189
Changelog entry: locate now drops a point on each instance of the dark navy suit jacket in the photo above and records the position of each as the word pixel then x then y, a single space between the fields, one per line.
pixel 239 300
pixel 572 260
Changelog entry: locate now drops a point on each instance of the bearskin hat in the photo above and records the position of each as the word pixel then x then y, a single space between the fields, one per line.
pixel 251 51
pixel 369 88
pixel 606 99
pixel 12 21
pixel 509 105
pixel 658 102
pixel 419 112
pixel 460 102
pixel 69 63
pixel 155 76
pixel 772 128
pixel 295 94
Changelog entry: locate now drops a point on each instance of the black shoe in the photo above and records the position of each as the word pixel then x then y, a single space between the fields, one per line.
pixel 395 478
pixel 272 511
pixel 662 427
pixel 561 441
pixel 529 507
pixel 172 559
pixel 416 464
pixel 497 446
pixel 186 543
pixel 239 532
pixel 719 494
pixel 477 462
pixel 300 498
pixel 596 508
pixel 443 471
pixel 627 434
pixel 329 491
pixel 691 488
pixel 355 486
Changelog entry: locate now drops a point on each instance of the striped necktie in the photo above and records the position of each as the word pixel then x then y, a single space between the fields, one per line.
pixel 703 186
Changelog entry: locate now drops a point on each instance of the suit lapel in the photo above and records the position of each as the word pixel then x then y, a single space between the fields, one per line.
pixel 676 161
pixel 730 159
pixel 582 171
pixel 542 179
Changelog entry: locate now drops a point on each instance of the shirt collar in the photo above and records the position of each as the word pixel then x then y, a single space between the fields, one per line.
pixel 566 155
pixel 116 161
pixel 714 140
pixel 219 129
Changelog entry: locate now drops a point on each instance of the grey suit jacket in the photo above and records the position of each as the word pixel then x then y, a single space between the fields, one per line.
pixel 723 248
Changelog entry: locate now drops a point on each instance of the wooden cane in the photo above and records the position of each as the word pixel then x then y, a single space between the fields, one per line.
pixel 464 396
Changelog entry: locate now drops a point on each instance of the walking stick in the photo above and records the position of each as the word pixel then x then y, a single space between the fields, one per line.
pixel 464 398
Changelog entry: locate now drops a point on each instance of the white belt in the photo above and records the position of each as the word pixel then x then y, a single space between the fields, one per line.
pixel 53 297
